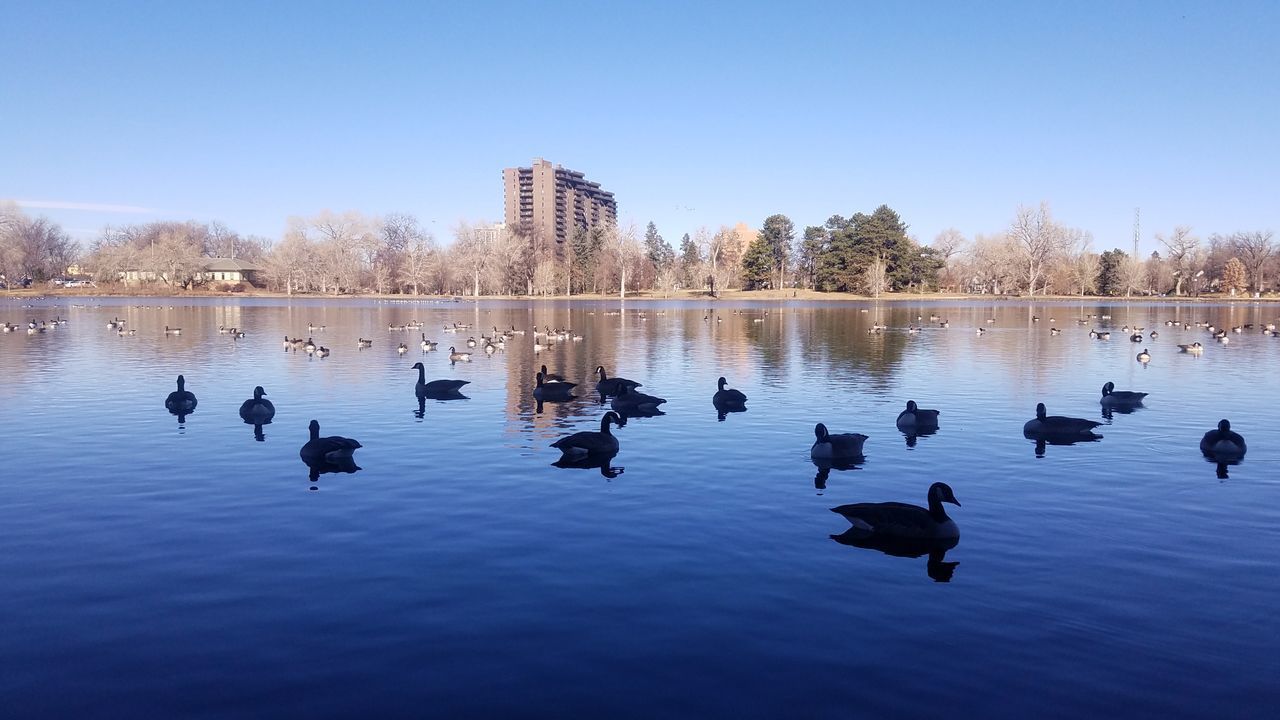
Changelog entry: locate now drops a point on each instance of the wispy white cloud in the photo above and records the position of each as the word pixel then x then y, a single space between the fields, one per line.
pixel 88 207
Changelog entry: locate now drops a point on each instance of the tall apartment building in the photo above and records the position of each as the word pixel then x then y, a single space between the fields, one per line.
pixel 553 201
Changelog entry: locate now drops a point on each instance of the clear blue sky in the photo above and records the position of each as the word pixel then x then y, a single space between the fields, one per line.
pixel 691 113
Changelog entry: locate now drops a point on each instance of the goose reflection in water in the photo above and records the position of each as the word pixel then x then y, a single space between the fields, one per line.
pixel 590 462
pixel 324 467
pixel 937 567
pixel 826 466
pixel 1043 442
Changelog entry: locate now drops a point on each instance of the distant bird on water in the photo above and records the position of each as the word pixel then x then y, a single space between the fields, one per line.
pixel 181 401
pixel 423 388
pixel 900 520
pixel 1223 443
pixel 915 418
pixel 840 446
pixel 1058 426
pixel 590 442
pixel 333 449
pixel 256 410
pixel 727 396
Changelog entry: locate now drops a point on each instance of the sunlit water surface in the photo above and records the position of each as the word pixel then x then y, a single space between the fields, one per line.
pixel 152 568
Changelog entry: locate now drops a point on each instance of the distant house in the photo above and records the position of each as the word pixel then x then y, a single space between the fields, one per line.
pixel 214 270
pixel 230 270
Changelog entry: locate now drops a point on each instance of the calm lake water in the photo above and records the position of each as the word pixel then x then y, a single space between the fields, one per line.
pixel 163 569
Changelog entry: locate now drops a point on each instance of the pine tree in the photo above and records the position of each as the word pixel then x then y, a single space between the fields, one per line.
pixel 757 264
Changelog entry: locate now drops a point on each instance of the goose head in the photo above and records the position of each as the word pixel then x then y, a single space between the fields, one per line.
pixel 941 492
pixel 1108 388
pixel 314 428
pixel 1040 411
pixel 258 392
pixel 911 406
pixel 1224 426
pixel 820 431
pixel 600 372
pixel 417 366
pixel 181 383
pixel 720 383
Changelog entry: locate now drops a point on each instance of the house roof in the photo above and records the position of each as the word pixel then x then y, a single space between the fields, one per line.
pixel 229 265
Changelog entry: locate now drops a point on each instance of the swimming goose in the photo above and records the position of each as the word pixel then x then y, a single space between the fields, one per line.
pixel 1194 348
pixel 402 348
pixel 894 519
pixel 1223 442
pixel 589 442
pixel 322 352
pixel 427 345
pixel 552 390
pixel 435 387
pixel 727 396
pixel 172 331
pixel 1112 397
pixel 333 449
pixel 1144 357
pixel 916 417
pixel 455 356
pixel 628 400
pixel 1055 331
pixel 842 446
pixel 113 324
pixel 361 343
pixel 551 377
pixel 611 386
pixel 471 342
pixel 181 401
pixel 257 411
pixel 1058 425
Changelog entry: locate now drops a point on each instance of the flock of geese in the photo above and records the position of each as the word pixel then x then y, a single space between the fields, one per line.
pixel 871 524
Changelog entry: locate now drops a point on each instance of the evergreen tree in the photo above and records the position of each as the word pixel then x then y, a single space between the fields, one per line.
pixel 690 261
pixel 1111 281
pixel 659 252
pixel 757 264
pixel 778 233
pixel 812 247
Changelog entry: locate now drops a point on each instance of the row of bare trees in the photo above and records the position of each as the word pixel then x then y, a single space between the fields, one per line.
pixel 340 253
pixel 31 249
pixel 1037 254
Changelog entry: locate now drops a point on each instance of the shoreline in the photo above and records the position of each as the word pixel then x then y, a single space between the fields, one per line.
pixel 683 296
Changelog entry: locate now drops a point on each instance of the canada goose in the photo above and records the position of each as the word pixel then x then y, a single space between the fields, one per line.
pixel 298 343
pixel 551 377
pixel 1194 348
pixel 427 345
pixel 611 386
pixel 1035 318
pixel 172 331
pixel 309 346
pixel 628 400
pixel 842 446
pixel 916 417
pixel 257 411
pixel 111 324
pixel 361 343
pixel 237 334
pixel 1093 333
pixel 589 442
pixel 1223 443
pixel 402 348
pixel 552 390
pixel 1154 334
pixel 322 352
pixel 1104 335
pixel 223 329
pixel 6 327
pixel 1112 397
pixel 894 519
pixel 1223 339
pixel 727 396
pixel 1055 331
pixel 1058 425
pixel 1144 357
pixel 287 343
pixel 181 401
pixel 424 388
pixel 332 449
pixel 1136 337
pixel 315 328
pixel 981 330
pixel 455 356
pixel 471 342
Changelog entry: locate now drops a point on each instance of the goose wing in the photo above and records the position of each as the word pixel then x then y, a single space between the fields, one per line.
pixel 889 518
